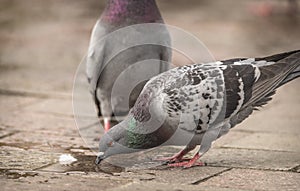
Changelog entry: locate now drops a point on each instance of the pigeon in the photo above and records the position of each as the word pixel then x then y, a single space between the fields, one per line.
pixel 109 53
pixel 267 8
pixel 196 104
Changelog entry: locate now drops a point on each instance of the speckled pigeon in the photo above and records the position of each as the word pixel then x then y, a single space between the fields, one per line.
pixel 108 56
pixel 196 104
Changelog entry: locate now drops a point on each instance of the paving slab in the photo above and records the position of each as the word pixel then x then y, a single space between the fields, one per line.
pixel 31 121
pixel 230 137
pixel 57 181
pixel 21 159
pixel 57 80
pixel 255 180
pixel 53 106
pixel 43 140
pixel 30 46
pixel 10 103
pixel 277 124
pixel 268 141
pixel 254 159
pixel 175 175
pixel 157 186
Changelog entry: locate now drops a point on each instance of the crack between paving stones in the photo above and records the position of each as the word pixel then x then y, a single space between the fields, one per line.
pixel 9 134
pixel 17 145
pixel 40 169
pixel 261 169
pixel 209 177
pixel 244 131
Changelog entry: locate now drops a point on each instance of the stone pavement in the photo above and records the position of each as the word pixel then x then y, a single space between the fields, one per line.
pixel 41 45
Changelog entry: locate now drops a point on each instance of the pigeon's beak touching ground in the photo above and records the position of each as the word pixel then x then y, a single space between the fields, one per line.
pixel 99 158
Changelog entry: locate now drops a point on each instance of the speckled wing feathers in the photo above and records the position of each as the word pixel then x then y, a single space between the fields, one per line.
pixel 197 93
pixel 203 90
pixel 219 95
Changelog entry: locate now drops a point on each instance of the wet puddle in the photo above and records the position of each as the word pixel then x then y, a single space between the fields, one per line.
pixel 115 164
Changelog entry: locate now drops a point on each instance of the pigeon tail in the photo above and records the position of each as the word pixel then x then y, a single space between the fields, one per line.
pixel 291 76
pixel 275 71
pixel 287 65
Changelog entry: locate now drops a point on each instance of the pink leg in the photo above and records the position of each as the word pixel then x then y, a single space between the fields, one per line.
pixel 106 124
pixel 177 157
pixel 190 163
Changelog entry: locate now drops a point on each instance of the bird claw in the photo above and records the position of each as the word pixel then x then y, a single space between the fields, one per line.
pixel 187 164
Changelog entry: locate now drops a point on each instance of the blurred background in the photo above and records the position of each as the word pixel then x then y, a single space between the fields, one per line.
pixel 42 42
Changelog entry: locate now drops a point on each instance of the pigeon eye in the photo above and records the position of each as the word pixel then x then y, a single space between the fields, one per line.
pixel 110 144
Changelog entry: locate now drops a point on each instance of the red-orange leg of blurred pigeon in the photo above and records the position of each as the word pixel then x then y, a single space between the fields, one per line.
pixel 106 124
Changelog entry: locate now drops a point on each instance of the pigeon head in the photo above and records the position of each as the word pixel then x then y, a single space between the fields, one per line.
pixel 116 141
pixel 127 137
pixel 131 12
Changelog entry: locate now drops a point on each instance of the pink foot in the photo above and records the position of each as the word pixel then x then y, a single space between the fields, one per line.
pixel 190 163
pixel 176 158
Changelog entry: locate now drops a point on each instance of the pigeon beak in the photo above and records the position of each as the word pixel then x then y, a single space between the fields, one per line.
pixel 99 158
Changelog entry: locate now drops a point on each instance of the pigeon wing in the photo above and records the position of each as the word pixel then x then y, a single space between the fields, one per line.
pixel 194 97
pixel 95 59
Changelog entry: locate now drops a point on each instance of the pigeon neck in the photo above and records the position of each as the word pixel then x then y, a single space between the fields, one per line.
pixel 131 12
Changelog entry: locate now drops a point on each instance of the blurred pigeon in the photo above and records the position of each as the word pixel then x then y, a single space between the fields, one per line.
pixel 268 8
pixel 109 55
pixel 196 104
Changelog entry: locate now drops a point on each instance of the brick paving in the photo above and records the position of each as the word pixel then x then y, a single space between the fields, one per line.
pixel 42 44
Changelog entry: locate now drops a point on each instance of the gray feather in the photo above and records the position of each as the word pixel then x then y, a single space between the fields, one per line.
pixel 112 51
